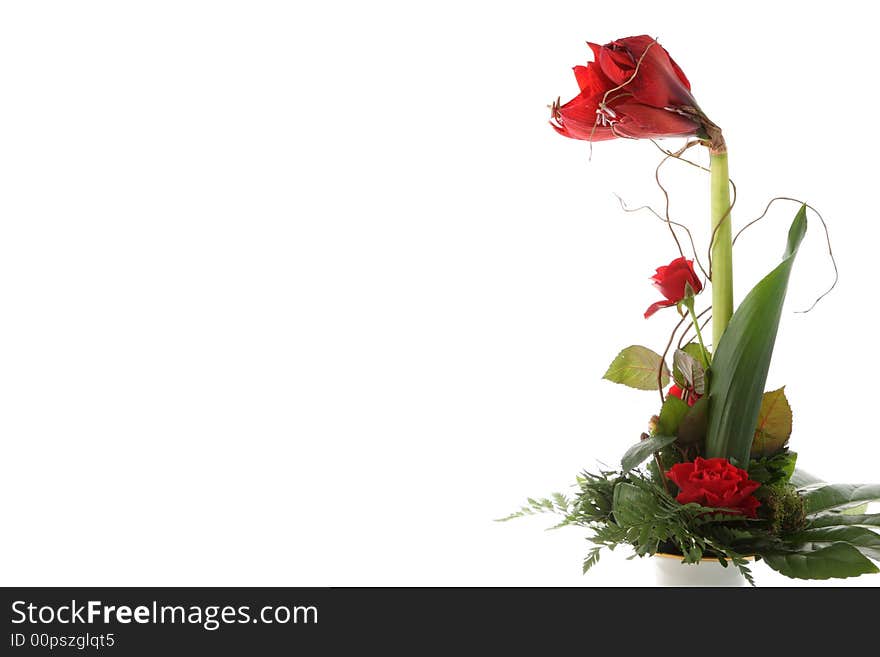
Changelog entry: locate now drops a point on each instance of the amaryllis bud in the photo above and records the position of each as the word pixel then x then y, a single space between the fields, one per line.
pixel 672 281
pixel 634 89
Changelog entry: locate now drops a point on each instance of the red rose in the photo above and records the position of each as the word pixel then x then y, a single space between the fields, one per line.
pixel 692 396
pixel 632 88
pixel 671 280
pixel 716 483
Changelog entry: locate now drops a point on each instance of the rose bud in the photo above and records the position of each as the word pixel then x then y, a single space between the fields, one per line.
pixel 672 281
pixel 634 89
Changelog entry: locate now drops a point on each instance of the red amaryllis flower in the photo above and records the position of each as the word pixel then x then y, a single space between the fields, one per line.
pixel 716 483
pixel 671 281
pixel 690 393
pixel 633 89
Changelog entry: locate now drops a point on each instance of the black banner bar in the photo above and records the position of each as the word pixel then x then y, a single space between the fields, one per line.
pixel 413 621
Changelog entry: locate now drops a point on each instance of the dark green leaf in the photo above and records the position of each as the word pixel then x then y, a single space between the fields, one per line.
pixel 638 367
pixel 692 428
pixel 835 560
pixel 835 496
pixel 690 370
pixel 742 359
pixel 642 450
pixel 673 410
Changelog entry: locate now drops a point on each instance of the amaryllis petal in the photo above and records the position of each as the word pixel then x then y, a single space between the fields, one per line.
pixel 617 64
pixel 639 121
pixel 632 89
pixel 659 80
pixel 591 84
pixel 577 119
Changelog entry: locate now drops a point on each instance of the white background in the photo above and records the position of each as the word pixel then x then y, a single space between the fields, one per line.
pixel 308 294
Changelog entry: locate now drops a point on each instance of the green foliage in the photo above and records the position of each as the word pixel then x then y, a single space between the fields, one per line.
pixel 643 450
pixel 556 503
pixel 646 517
pixel 638 367
pixel 802 535
pixel 773 469
pixel 742 359
pixel 774 424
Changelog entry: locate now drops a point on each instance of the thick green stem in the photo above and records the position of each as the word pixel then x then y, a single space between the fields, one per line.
pixel 722 247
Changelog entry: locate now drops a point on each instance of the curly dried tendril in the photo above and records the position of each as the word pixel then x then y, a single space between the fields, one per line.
pixel 827 241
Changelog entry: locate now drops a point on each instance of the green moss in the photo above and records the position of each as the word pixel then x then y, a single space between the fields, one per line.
pixel 782 507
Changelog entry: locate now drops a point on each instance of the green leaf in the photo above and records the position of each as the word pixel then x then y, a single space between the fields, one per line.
pixel 642 450
pixel 638 367
pixel 867 541
pixel 774 424
pixel 835 496
pixel 835 560
pixel 632 505
pixel 690 370
pixel 742 359
pixel 692 428
pixel 839 519
pixel 671 413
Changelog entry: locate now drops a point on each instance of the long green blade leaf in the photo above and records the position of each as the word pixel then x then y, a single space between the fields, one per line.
pixel 742 359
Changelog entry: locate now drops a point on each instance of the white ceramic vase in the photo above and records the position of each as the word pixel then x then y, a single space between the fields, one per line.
pixel 670 571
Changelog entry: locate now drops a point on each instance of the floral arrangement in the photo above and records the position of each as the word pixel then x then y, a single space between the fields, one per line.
pixel 713 477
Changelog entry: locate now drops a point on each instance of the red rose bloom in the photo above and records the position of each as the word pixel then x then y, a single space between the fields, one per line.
pixel 692 396
pixel 632 88
pixel 716 483
pixel 671 280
